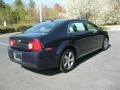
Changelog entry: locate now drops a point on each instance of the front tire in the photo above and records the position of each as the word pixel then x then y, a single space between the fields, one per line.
pixel 105 44
pixel 67 61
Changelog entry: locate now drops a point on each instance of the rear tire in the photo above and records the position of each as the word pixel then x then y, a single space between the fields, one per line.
pixel 67 61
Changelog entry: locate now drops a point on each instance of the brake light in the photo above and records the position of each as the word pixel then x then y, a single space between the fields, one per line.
pixel 35 45
pixel 11 42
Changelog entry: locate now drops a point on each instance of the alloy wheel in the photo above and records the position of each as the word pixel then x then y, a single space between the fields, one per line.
pixel 68 60
pixel 106 43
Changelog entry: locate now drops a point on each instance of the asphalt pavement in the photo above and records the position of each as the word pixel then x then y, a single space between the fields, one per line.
pixel 97 71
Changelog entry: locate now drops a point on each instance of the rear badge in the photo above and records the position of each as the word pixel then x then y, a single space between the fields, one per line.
pixel 18 41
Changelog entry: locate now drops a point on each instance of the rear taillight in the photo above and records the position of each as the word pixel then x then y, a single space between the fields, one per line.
pixel 11 42
pixel 35 45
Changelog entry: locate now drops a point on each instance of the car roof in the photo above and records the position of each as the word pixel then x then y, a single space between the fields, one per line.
pixel 66 20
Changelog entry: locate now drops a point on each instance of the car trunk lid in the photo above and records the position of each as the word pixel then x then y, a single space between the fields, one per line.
pixel 21 41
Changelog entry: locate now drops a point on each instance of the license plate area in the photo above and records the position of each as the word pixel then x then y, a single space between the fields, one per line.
pixel 17 56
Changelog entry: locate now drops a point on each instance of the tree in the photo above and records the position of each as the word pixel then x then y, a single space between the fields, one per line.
pixel 57 7
pixel 31 9
pixel 2 4
pixel 44 12
pixel 97 11
pixel 31 4
pixel 4 10
pixel 81 8
pixel 110 14
pixel 14 17
pixel 6 14
pixel 19 9
pixel 21 13
pixel 18 3
pixel 1 8
pixel 49 13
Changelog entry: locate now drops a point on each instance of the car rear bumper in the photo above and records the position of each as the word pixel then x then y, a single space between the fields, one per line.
pixel 38 60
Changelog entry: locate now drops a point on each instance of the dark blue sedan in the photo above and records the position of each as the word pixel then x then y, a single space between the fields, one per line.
pixel 56 43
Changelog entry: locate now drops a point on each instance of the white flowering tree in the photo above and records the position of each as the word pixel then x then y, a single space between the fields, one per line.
pixel 98 11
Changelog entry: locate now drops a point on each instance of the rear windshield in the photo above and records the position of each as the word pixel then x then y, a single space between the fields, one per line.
pixel 44 27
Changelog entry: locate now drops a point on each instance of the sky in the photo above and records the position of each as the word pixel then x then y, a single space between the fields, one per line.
pixel 45 2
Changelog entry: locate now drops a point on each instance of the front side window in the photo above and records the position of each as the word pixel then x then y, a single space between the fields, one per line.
pixel 90 27
pixel 76 27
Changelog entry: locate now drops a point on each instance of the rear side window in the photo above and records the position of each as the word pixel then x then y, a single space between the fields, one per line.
pixel 41 28
pixel 76 27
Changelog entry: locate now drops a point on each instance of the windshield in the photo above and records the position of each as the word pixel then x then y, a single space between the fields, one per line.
pixel 44 27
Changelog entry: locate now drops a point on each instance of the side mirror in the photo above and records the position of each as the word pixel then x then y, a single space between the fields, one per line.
pixel 100 28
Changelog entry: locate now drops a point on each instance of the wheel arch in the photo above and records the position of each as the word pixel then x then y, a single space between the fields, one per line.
pixel 66 48
pixel 107 37
pixel 71 48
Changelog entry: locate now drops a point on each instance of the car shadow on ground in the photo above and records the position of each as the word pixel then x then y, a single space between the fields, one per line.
pixel 51 72
pixel 87 57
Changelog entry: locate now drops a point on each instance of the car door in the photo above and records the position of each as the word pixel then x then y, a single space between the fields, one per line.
pixel 80 36
pixel 96 36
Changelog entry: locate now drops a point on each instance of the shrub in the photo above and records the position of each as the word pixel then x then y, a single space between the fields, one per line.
pixel 22 28
pixel 4 30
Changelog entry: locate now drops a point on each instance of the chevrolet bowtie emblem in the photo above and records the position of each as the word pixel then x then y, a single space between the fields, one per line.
pixel 18 40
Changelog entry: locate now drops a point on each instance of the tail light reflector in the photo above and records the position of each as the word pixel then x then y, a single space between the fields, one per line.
pixel 11 42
